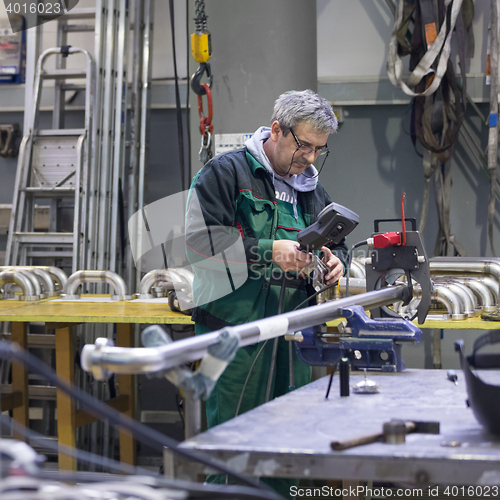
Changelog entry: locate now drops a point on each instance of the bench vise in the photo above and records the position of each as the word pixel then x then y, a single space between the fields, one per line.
pixel 367 343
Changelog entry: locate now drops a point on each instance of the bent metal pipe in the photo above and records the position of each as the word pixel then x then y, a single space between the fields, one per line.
pixel 102 357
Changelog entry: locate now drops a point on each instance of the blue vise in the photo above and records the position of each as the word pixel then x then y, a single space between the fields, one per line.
pixel 374 344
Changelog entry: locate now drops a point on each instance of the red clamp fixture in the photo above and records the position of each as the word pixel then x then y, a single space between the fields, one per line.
pixel 393 238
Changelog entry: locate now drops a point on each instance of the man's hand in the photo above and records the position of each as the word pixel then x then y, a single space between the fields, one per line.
pixel 334 265
pixel 287 255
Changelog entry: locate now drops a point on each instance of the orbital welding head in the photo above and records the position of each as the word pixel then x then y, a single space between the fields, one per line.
pixel 334 223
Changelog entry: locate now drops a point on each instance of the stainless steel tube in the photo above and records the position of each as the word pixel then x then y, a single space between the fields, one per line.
pixel 492 285
pixel 451 301
pixel 444 296
pixel 46 281
pixel 481 291
pixel 475 303
pixel 467 305
pixel 192 412
pixel 356 285
pixel 30 275
pixel 145 360
pixel 58 275
pixel 22 280
pixel 112 279
pixel 34 281
pixel 154 276
pixel 357 270
pixel 448 266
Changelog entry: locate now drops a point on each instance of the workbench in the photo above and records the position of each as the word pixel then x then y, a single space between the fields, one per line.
pixel 291 435
pixel 62 317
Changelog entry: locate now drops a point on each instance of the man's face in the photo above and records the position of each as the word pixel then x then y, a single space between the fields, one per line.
pixel 288 159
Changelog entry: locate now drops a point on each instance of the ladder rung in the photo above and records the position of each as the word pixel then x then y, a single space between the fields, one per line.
pixel 78 28
pixel 45 238
pixel 61 131
pixel 56 74
pixel 34 391
pixel 82 13
pixel 51 255
pixel 73 86
pixel 50 192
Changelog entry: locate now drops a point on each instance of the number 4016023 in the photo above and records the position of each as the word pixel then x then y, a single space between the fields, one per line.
pixel 34 8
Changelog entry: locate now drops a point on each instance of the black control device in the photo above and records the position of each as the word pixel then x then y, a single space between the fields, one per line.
pixel 333 224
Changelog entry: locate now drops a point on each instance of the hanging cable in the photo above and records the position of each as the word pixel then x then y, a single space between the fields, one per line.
pixel 195 490
pixel 180 131
pixel 101 410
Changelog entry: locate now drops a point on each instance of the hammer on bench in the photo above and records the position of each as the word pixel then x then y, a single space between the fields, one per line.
pixel 393 432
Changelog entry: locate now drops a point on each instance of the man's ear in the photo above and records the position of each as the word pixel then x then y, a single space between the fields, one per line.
pixel 275 131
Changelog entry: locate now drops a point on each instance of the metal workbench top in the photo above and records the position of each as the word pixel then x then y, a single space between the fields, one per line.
pixel 291 435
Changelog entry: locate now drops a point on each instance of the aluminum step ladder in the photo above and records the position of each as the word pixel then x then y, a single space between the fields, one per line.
pixel 113 172
pixel 53 165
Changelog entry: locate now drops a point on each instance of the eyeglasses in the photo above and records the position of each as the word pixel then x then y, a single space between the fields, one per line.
pixel 307 150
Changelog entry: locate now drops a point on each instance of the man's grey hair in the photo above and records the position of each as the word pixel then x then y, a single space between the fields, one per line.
pixel 294 107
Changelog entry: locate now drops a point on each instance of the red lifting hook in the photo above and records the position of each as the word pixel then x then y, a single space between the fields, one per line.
pixel 206 124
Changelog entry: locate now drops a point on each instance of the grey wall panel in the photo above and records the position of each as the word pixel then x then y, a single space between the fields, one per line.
pixel 260 50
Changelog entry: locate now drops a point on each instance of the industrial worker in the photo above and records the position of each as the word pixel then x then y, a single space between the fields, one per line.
pixel 259 197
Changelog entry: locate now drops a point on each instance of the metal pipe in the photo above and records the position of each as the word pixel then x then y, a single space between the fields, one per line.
pixel 22 280
pixel 357 270
pixel 465 259
pixel 58 275
pixel 109 277
pixel 156 275
pixel 488 281
pixel 145 360
pixel 37 289
pixel 192 412
pixel 481 291
pixel 475 303
pixel 471 304
pixel 36 284
pixel 46 281
pixel 450 300
pixel 442 295
pixel 449 266
pixel 492 285
pixel 468 306
pixel 356 285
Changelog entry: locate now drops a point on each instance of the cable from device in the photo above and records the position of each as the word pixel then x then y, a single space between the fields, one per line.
pixel 101 410
pixel 248 377
pixel 195 490
pixel 81 455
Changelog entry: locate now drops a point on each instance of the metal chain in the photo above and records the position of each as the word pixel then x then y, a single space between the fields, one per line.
pixel 201 18
pixel 206 148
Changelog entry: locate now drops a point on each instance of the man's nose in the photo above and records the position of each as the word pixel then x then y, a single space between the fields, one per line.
pixel 310 156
